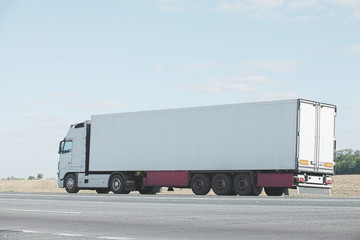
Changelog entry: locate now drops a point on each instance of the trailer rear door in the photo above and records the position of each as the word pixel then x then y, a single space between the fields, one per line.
pixel 316 137
pixel 327 138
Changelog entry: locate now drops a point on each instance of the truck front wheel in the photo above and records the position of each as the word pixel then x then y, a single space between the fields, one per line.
pixel 117 184
pixel 70 183
pixel 200 184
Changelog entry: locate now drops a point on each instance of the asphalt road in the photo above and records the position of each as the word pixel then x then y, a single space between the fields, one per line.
pixel 121 217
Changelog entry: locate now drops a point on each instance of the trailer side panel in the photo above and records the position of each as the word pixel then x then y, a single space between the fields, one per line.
pixel 255 136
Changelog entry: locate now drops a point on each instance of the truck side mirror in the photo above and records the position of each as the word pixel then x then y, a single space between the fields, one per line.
pixel 60 147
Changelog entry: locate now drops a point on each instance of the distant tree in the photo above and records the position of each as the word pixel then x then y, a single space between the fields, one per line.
pixel 40 176
pixel 31 178
pixel 347 162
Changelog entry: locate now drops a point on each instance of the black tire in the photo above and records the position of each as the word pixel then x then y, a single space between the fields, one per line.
pixel 274 191
pixel 150 190
pixel 256 191
pixel 102 190
pixel 233 193
pixel 222 184
pixel 117 184
pixel 242 184
pixel 70 183
pixel 200 184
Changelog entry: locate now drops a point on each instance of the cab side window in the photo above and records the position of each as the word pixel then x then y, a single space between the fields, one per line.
pixel 67 146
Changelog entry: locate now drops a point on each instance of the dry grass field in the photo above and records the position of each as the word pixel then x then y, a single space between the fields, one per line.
pixel 343 186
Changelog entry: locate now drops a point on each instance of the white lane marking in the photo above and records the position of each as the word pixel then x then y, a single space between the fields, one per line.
pixel 28 231
pixel 115 238
pixel 75 235
pixel 37 211
pixel 68 235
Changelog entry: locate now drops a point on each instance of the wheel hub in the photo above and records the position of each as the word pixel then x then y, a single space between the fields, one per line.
pixel 199 184
pixel 220 184
pixel 116 184
pixel 242 184
pixel 70 183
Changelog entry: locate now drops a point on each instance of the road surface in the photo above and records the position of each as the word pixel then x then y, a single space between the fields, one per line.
pixel 121 217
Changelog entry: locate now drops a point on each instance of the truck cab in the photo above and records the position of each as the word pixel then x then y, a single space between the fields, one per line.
pixel 72 151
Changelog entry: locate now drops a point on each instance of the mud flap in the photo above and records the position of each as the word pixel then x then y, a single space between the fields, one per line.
pixel 286 191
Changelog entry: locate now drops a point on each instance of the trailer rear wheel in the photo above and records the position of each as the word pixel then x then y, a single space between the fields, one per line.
pixel 256 191
pixel 242 184
pixel 200 184
pixel 117 184
pixel 274 191
pixel 70 183
pixel 222 184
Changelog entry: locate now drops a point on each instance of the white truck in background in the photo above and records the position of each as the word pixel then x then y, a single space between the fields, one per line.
pixel 236 149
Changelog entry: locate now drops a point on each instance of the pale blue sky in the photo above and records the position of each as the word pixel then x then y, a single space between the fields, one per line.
pixel 62 61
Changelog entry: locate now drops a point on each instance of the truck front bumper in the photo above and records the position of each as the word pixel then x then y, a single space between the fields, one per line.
pixel 60 183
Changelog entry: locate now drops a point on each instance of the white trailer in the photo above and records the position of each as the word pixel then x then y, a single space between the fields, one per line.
pixel 232 149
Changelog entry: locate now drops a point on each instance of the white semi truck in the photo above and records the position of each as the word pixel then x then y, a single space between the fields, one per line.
pixel 236 149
